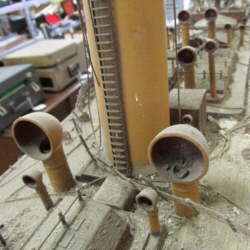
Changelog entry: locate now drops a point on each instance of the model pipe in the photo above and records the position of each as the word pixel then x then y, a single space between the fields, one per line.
pixel 180 154
pixel 242 34
pixel 184 19
pixel 229 30
pixel 211 15
pixel 40 135
pixel 147 200
pixel 210 47
pixel 34 181
pixel 186 56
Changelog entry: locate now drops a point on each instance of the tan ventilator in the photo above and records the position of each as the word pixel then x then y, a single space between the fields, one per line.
pixel 184 18
pixel 229 30
pixel 186 56
pixel 40 135
pixel 210 46
pixel 211 16
pixel 34 180
pixel 147 199
pixel 127 41
pixel 242 35
pixel 180 154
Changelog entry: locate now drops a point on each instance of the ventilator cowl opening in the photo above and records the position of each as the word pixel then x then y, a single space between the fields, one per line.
pixel 210 14
pixel 32 140
pixel 184 16
pixel 186 55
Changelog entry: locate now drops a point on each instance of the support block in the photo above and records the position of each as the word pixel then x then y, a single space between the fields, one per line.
pixel 116 193
pixel 193 102
pixel 97 227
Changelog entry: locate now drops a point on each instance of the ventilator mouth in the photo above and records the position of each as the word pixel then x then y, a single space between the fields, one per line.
pixel 178 159
pixel 144 202
pixel 147 199
pixel 242 27
pixel 210 14
pixel 244 20
pixel 32 140
pixel 228 27
pixel 184 16
pixel 187 119
pixel 186 56
pixel 29 181
pixel 171 30
pixel 210 46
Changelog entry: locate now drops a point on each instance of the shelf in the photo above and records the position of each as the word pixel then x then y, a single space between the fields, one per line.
pixel 20 6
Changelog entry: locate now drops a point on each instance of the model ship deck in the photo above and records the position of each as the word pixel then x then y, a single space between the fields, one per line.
pixel 100 212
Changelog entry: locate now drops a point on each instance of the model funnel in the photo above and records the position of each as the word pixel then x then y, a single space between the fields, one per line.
pixel 128 65
pixel 180 154
pixel 40 135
